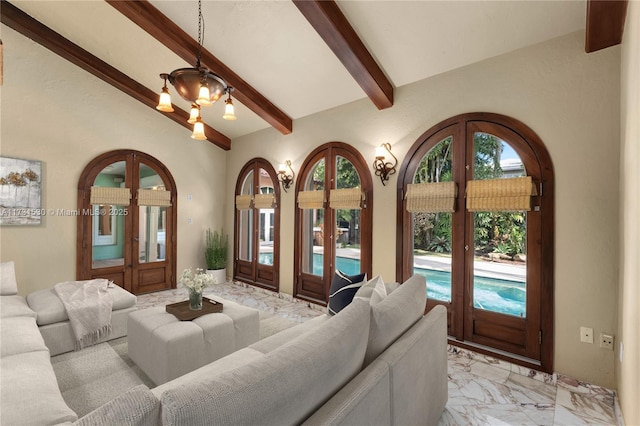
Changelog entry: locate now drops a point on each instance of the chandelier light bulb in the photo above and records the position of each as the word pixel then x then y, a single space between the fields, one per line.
pixel 195 113
pixel 164 104
pixel 198 130
pixel 229 110
pixel 204 96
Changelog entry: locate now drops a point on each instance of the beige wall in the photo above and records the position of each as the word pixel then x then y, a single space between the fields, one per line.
pixel 569 98
pixel 628 369
pixel 54 112
pixel 66 117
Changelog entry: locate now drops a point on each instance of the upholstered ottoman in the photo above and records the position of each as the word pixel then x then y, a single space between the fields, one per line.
pixel 54 325
pixel 165 347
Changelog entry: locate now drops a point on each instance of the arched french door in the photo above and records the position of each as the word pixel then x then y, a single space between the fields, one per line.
pixel 127 222
pixel 257 225
pixel 487 253
pixel 333 223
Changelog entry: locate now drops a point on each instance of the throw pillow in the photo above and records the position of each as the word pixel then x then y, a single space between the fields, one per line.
pixel 374 290
pixel 343 288
pixel 8 284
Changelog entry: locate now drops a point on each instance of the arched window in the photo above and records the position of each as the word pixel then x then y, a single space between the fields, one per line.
pixel 475 212
pixel 333 219
pixel 257 225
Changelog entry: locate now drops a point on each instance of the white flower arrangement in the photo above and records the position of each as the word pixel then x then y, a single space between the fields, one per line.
pixel 196 282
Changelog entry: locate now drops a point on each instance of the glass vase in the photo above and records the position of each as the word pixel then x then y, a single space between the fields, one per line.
pixel 195 300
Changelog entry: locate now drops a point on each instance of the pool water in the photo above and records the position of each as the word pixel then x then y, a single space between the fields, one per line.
pixel 491 294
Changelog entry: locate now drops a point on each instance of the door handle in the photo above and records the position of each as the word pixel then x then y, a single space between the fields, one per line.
pixel 136 239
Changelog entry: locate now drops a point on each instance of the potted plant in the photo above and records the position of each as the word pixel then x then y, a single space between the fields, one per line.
pixel 215 253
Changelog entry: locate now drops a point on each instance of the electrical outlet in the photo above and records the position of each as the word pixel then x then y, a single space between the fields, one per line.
pixel 586 335
pixel 606 341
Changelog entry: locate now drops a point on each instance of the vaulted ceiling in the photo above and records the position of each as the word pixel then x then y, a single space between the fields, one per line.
pixel 287 59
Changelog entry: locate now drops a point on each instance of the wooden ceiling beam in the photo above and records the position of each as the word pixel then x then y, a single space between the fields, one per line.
pixel 156 24
pixel 605 23
pixel 29 27
pixel 328 20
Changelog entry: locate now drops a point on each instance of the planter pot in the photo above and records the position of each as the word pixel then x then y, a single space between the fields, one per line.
pixel 219 275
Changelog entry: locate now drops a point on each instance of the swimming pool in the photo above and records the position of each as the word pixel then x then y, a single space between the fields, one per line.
pixel 492 294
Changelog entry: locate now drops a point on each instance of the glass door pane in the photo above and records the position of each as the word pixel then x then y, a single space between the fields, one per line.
pixel 152 221
pixel 432 231
pixel 108 221
pixel 347 228
pixel 499 261
pixel 245 222
pixel 313 232
pixel 266 221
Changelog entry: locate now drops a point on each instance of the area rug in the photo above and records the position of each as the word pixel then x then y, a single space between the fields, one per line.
pixel 95 375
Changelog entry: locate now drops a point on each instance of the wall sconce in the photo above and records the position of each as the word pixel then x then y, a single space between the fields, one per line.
pixel 285 178
pixel 383 168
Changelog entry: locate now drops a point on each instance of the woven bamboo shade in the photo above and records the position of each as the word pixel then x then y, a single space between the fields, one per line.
pixel 350 198
pixel 110 195
pixel 311 199
pixel 264 201
pixel 154 197
pixel 243 202
pixel 509 194
pixel 435 197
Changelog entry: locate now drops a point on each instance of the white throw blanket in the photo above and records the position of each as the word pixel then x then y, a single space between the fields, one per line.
pixel 88 306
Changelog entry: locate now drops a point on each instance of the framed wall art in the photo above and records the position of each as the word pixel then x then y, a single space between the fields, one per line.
pixel 20 191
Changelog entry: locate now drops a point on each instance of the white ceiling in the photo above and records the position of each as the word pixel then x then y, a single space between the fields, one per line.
pixel 272 46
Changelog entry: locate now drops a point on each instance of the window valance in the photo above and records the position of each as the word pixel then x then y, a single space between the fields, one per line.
pixel 349 198
pixel 508 194
pixel 114 196
pixel 154 197
pixel 264 201
pixel 311 199
pixel 434 197
pixel 243 202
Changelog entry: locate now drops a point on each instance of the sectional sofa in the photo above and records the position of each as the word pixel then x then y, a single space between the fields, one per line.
pixel 382 363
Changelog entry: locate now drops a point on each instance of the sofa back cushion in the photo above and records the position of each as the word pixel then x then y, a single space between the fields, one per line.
pixel 395 314
pixel 285 386
pixel 8 283
pixel 138 406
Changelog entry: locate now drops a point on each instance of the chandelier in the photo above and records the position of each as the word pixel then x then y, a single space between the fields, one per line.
pixel 197 85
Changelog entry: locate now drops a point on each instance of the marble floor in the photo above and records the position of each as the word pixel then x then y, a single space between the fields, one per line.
pixel 482 390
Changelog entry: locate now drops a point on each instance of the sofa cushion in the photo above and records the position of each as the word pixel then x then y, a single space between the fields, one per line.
pixel 343 288
pixel 373 291
pixel 284 386
pixel 15 306
pixel 30 393
pixel 8 283
pixel 51 310
pixel 138 406
pixel 395 314
pixel 19 335
pixel 276 340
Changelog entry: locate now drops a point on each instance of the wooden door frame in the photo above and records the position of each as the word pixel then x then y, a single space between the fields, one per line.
pixel 83 228
pixel 404 242
pixel 333 149
pixel 255 277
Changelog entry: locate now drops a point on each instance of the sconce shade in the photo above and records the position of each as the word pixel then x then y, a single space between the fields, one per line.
pixel 380 152
pixel 350 198
pixel 507 194
pixel 311 200
pixel 435 197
